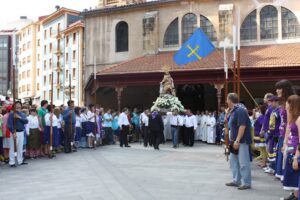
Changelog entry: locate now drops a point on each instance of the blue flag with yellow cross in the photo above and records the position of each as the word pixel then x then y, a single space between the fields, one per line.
pixel 196 48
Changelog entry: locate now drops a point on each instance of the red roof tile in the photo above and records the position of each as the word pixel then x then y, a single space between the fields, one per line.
pixel 268 56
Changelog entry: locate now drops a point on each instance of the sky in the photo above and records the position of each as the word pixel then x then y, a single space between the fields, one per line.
pixel 11 10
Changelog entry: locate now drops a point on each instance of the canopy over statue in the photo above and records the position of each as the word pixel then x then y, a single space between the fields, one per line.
pixel 167 100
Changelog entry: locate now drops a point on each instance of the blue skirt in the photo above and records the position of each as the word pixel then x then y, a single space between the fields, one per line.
pixel 55 136
pixel 89 127
pixel 78 134
pixel 279 159
pixel 291 177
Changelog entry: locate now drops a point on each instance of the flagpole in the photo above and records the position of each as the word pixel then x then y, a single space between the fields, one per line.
pixel 234 57
pixel 238 55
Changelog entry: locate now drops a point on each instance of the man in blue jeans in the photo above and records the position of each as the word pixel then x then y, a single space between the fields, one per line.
pixel 240 139
pixel 175 123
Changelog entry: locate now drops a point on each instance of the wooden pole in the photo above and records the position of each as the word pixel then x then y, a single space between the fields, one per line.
pixel 71 112
pixel 239 73
pixel 51 118
pixel 14 113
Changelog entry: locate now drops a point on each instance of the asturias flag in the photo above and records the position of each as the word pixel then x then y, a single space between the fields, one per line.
pixel 197 47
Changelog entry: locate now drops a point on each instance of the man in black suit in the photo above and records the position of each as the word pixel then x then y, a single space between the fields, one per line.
pixel 156 127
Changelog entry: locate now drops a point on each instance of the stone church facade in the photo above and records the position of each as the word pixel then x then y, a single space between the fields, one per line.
pixel 120 32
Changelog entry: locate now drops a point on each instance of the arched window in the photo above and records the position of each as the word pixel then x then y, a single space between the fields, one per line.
pixel 122 37
pixel 290 24
pixel 208 28
pixel 171 36
pixel 268 23
pixel 189 25
pixel 249 27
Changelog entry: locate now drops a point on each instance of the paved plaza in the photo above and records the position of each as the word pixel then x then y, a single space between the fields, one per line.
pixel 138 173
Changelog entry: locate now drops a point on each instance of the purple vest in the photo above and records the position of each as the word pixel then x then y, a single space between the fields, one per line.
pixel 293 139
pixel 283 116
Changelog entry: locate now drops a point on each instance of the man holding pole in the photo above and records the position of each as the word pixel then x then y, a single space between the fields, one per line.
pixel 16 125
pixel 70 119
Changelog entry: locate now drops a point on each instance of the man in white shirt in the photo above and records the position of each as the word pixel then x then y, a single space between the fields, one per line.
pixel 144 121
pixel 198 130
pixel 124 127
pixel 211 129
pixel 204 121
pixel 175 123
pixel 190 127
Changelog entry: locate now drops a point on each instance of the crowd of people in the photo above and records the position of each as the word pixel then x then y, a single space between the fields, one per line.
pixel 275 124
pixel 272 129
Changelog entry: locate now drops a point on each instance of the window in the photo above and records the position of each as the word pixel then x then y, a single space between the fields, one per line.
pixel 37 86
pixel 50 31
pixel 57 93
pixel 50 63
pixel 290 24
pixel 23 75
pixel 45 95
pixel 28 88
pixel 189 25
pixel 249 27
pixel 67 41
pixel 23 88
pixel 122 37
pixel 58 78
pixel 67 58
pixel 28 31
pixel 45 49
pixel 74 55
pixel 171 37
pixel 50 47
pixel 67 74
pixel 58 27
pixel 45 64
pixel 45 34
pixel 268 23
pixel 58 44
pixel 50 94
pixel 28 45
pixel 28 59
pixel 74 73
pixel 20 77
pixel 38 72
pixel 45 80
pixel 74 38
pixel 50 79
pixel 28 74
pixel 208 28
pixel 24 47
pixel 38 42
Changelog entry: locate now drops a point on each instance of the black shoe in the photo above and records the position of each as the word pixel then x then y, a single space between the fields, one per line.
pixel 127 146
pixel 244 187
pixel 291 197
pixel 24 163
pixel 232 184
pixel 12 165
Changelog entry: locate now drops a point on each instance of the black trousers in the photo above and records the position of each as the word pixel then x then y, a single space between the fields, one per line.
pixel 123 136
pixel 156 139
pixel 181 136
pixel 146 136
pixel 190 136
pixel 68 138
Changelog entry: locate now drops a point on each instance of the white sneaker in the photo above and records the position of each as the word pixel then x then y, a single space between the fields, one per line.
pixel 266 168
pixel 270 171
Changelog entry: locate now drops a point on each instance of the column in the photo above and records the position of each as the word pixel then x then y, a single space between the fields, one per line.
pixel 119 91
pixel 219 87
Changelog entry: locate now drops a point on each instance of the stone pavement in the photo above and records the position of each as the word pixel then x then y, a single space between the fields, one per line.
pixel 135 173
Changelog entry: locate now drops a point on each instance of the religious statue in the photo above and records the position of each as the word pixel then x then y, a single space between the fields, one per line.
pixel 167 84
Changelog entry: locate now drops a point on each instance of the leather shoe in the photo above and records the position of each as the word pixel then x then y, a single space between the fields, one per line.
pixel 244 187
pixel 232 184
